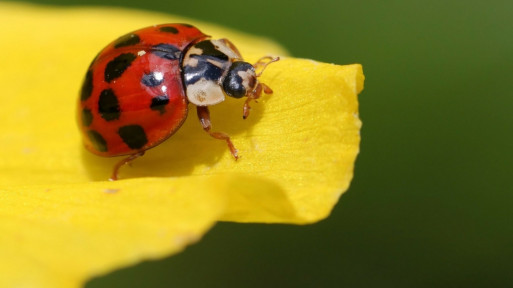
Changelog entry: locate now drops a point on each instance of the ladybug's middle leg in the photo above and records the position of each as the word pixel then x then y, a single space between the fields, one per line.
pixel 204 117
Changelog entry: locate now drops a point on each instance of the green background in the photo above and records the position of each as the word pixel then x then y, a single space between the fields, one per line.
pixel 430 204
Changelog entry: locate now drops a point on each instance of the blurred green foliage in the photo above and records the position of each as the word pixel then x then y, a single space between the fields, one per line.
pixel 431 203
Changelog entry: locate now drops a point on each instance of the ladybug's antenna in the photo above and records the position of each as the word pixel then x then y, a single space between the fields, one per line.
pixel 263 62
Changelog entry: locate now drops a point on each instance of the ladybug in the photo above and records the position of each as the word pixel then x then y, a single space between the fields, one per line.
pixel 136 91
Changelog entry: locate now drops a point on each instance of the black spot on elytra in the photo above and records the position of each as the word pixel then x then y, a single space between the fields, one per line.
pixel 187 25
pixel 87 86
pixel 87 117
pixel 98 141
pixel 166 51
pixel 151 79
pixel 133 136
pixel 159 103
pixel 127 40
pixel 118 65
pixel 169 29
pixel 108 105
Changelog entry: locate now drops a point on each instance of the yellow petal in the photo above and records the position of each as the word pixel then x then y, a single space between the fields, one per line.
pixel 61 222
pixel 306 139
pixel 58 235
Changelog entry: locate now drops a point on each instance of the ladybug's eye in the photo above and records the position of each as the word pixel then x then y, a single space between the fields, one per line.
pixel 241 79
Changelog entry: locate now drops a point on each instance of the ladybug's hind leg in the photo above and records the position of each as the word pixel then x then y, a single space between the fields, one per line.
pixel 204 117
pixel 123 162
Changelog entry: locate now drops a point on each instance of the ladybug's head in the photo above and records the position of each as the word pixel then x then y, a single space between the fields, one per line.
pixel 240 80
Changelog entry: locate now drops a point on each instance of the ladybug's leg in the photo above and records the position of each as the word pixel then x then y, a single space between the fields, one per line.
pixel 254 96
pixel 125 161
pixel 204 117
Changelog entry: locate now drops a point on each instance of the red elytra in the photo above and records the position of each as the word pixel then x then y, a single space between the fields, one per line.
pixel 136 91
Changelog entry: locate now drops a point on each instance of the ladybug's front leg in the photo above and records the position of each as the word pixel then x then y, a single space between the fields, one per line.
pixel 204 117
pixel 254 95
